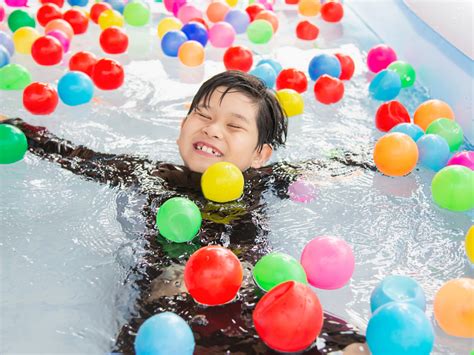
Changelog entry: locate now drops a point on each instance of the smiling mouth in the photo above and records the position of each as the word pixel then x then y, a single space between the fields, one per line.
pixel 207 150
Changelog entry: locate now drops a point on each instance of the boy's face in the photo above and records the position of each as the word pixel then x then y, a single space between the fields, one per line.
pixel 222 131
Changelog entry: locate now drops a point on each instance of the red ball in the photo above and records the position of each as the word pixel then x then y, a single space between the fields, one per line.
pixel 213 275
pixel 48 12
pixel 83 62
pixel 305 30
pixel 289 317
pixel 238 58
pixel 201 21
pixel 97 9
pixel 292 79
pixel 108 74
pixel 347 66
pixel 292 2
pixel 114 40
pixel 47 50
pixel 40 98
pixel 328 90
pixel 59 3
pixel 332 11
pixel 77 19
pixel 253 10
pixel 389 114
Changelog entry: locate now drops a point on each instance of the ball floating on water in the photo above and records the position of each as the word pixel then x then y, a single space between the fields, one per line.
pixel 332 11
pixel 171 42
pixel 253 10
pixel 136 13
pixel 221 35
pixel 291 102
pixel 61 25
pixel 395 154
pixel 217 10
pixel 48 12
pixel 110 18
pixel 108 74
pixel 238 58
pixel 380 57
pixel 469 244
pixel 238 19
pixel 324 64
pixel 449 130
pixel 191 53
pixel 260 31
pixel 113 40
pixel 23 38
pixel 222 182
pixel 188 12
pixel 4 56
pixel 405 71
pixel 309 8
pixel 328 90
pixel 270 17
pixel 385 86
pixel 47 50
pixel 78 20
pixel 453 188
pixel 62 38
pixel 84 62
pixel 20 18
pixel 347 66
pixel 7 42
pixel 292 79
pixel 13 144
pixel 266 73
pixel 465 158
pixel 196 31
pixel 301 191
pixel 390 114
pixel 168 24
pixel 14 77
pixel 410 129
pixel 430 111
pixel 40 98
pixel 97 9
pixel 275 65
pixel 433 151
pixel 307 31
pixel 75 88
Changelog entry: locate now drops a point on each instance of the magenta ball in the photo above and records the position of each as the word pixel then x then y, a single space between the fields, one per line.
pixel 221 35
pixel 16 3
pixel 174 5
pixel 463 158
pixel 2 13
pixel 301 191
pixel 188 12
pixel 328 262
pixel 62 38
pixel 380 57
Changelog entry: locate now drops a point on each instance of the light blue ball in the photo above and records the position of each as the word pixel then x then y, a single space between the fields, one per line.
pixel 266 73
pixel 4 56
pixel 275 65
pixel 413 130
pixel 171 42
pixel 324 64
pixel 385 86
pixel 7 42
pixel 238 19
pixel 164 334
pixel 433 151
pixel 117 5
pixel 399 328
pixel 75 88
pixel 78 2
pixel 397 288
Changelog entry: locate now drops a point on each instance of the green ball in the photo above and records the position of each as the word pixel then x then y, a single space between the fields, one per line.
pixel 20 18
pixel 453 188
pixel 405 71
pixel 449 130
pixel 136 13
pixel 276 268
pixel 13 144
pixel 260 31
pixel 14 77
pixel 178 220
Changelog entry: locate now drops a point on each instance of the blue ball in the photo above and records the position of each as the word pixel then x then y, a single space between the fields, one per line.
pixel 397 288
pixel 385 86
pixel 238 19
pixel 413 130
pixel 171 42
pixel 275 65
pixel 163 334
pixel 4 56
pixel 266 73
pixel 196 31
pixel 75 88
pixel 433 151
pixel 324 64
pixel 7 42
pixel 399 328
pixel 78 2
pixel 117 5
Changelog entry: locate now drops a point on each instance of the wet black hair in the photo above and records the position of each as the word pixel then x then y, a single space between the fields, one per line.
pixel 272 122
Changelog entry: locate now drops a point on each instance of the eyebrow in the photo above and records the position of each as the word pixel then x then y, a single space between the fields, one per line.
pixel 233 114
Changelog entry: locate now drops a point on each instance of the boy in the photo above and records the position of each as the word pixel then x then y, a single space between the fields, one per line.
pixel 233 118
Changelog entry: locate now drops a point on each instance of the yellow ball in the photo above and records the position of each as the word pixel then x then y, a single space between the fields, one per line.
pixel 23 39
pixel 110 18
pixel 291 102
pixel 470 244
pixel 222 182
pixel 168 24
pixel 232 3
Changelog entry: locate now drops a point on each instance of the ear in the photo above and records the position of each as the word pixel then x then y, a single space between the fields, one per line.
pixel 261 156
pixel 180 128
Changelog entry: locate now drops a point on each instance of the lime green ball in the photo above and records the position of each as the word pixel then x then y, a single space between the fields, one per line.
pixel 13 144
pixel 20 18
pixel 449 130
pixel 178 220
pixel 14 77
pixel 260 31
pixel 276 268
pixel 405 71
pixel 136 13
pixel 453 188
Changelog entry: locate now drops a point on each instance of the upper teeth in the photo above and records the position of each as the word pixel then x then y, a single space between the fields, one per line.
pixel 207 149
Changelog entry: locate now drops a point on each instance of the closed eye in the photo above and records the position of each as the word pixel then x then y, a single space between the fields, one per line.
pixel 203 115
pixel 234 126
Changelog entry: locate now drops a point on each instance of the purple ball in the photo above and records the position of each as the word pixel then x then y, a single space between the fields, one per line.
pixel 61 37
pixel 7 42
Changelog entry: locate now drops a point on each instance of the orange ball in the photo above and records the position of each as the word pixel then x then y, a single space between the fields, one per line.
pixel 395 154
pixel 191 53
pixel 270 17
pixel 454 307
pixel 430 111
pixel 309 7
pixel 217 10
pixel 60 25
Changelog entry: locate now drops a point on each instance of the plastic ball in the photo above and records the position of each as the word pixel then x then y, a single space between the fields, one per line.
pixel 222 182
pixel 260 31
pixel 23 38
pixel 309 8
pixel 110 18
pixel 14 77
pixel 232 3
pixel 75 88
pixel 4 56
pixel 188 12
pixel 163 334
pixel 59 25
pixel 20 18
pixel 301 191
pixel 431 110
pixel 13 144
pixel 397 288
pixel 347 66
pixel 2 13
pixel 324 64
pixel 84 62
pixel 7 42
pixel 469 244
pixel 58 3
pixel 292 79
pixel 78 2
pixel 221 35
pixel 217 10
pixel 332 11
pixel 270 17
pixel 113 40
pixel 117 5
pixel 291 102
pixel 213 275
pixel 171 42
pixel 389 114
pixel 275 65
pixel 399 328
pixel 136 13
pixel 179 220
pixel 238 19
pixel 306 31
pixel 108 74
pixel 97 9
pixel 253 10
pixel 385 86
pixel 191 53
pixel 238 58
pixel 411 129
pixel 77 19
pixel 405 71
pixel 449 130
pixel 453 188
pixel 201 21
pixel 328 90
pixel 40 98
pixel 463 158
pixel 289 317
pixel 395 154
pixel 47 50
pixel 266 73
pixel 174 5
pixel 433 151
pixel 454 309
pixel 168 24
pixel 380 57
pixel 196 31
pixel 48 12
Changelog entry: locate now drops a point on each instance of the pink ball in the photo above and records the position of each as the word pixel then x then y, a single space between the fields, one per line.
pixel 174 5
pixel 2 13
pixel 463 158
pixel 188 12
pixel 328 262
pixel 222 35
pixel 62 38
pixel 16 3
pixel 301 191
pixel 380 57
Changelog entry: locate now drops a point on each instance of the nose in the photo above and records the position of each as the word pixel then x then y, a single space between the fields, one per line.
pixel 213 130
